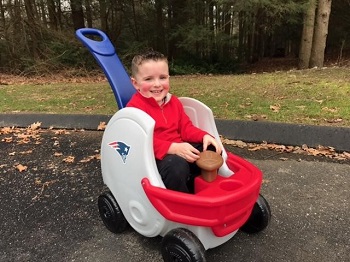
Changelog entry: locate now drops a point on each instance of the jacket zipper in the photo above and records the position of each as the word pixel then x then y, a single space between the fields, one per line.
pixel 165 119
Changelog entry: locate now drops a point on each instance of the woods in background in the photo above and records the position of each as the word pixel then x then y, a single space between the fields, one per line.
pixel 198 36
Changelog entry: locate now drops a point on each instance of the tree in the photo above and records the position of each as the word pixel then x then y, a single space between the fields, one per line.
pixel 314 36
pixel 320 33
pixel 206 35
pixel 77 13
pixel 307 35
pixel 30 8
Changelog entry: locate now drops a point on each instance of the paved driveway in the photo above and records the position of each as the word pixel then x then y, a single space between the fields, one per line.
pixel 49 211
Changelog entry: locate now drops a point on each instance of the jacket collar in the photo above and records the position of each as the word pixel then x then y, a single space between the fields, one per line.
pixel 153 102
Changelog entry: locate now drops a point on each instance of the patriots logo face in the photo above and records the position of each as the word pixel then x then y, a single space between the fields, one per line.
pixel 121 148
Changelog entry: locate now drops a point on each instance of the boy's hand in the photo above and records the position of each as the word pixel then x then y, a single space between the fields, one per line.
pixel 185 150
pixel 209 140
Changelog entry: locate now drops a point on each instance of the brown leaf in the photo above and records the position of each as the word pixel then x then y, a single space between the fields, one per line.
pixel 332 110
pixel 101 126
pixel 332 121
pixel 89 158
pixel 57 154
pixel 21 168
pixel 237 143
pixel 7 139
pixel 275 108
pixel 7 130
pixel 256 117
pixel 35 126
pixel 69 159
pixel 61 132
pixel 26 152
pixel 347 155
pixel 256 148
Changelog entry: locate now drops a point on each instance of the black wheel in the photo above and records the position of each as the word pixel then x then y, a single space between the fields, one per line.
pixel 259 218
pixel 182 245
pixel 111 214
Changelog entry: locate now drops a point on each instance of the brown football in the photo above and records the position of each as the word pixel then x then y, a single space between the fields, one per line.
pixel 209 160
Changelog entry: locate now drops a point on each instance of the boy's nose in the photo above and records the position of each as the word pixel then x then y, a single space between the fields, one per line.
pixel 157 82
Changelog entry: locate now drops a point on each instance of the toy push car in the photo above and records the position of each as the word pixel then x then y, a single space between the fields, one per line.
pixel 188 223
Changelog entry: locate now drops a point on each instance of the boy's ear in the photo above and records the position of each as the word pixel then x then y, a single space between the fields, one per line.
pixel 134 83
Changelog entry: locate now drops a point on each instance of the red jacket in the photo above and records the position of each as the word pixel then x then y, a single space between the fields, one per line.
pixel 172 123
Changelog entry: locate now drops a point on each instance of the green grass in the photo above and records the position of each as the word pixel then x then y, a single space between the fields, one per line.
pixel 319 97
pixel 67 98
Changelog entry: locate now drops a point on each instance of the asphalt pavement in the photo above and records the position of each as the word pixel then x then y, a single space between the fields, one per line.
pixel 50 181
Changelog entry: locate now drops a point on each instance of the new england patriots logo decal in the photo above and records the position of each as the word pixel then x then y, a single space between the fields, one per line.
pixel 121 148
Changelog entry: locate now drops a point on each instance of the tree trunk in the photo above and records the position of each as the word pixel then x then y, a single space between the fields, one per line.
pixel 52 14
pixel 103 15
pixel 2 17
pixel 177 18
pixel 88 13
pixel 77 14
pixel 160 45
pixel 226 52
pixel 241 31
pixel 320 33
pixel 307 35
pixel 33 43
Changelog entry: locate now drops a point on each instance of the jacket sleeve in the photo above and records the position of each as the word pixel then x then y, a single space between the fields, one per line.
pixel 160 147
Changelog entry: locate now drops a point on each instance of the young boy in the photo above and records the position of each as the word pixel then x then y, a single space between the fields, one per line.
pixel 177 142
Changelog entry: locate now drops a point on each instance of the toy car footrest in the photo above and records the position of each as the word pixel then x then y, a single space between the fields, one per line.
pixel 230 207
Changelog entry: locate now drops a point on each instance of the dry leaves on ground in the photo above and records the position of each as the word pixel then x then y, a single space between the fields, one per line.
pixel 32 135
pixel 328 152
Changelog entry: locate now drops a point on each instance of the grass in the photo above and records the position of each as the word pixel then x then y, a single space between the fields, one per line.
pixel 317 96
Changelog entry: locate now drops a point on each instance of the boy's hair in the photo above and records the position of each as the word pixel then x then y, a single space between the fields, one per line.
pixel 146 56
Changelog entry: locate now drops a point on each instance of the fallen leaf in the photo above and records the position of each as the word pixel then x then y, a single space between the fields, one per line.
pixel 338 120
pixel 57 154
pixel 7 139
pixel 26 152
pixel 256 117
pixel 237 143
pixel 35 126
pixel 275 108
pixel 69 159
pixel 347 155
pixel 89 158
pixel 101 126
pixel 332 110
pixel 6 130
pixel 61 132
pixel 21 168
pixel 325 151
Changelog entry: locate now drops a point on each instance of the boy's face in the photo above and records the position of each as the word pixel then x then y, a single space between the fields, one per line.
pixel 152 79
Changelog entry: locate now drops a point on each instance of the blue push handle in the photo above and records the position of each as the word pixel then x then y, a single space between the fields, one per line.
pixel 106 56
